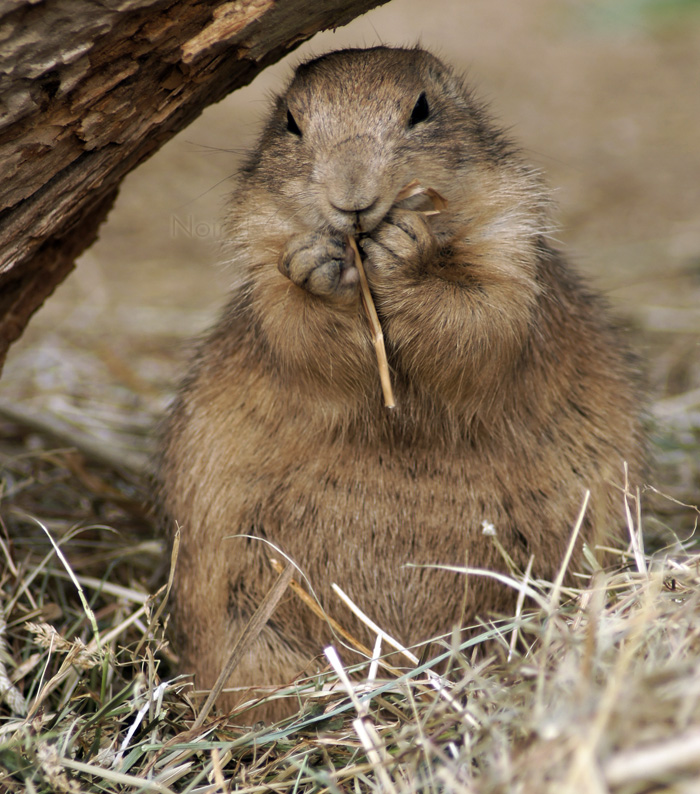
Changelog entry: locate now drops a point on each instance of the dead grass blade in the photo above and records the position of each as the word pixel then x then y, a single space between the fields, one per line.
pixel 175 550
pixel 255 625
pixel 320 613
pixel 413 188
pixel 375 325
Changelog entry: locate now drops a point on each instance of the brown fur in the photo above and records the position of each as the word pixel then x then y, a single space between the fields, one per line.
pixel 514 393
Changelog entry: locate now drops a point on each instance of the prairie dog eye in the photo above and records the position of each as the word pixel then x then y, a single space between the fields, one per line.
pixel 421 111
pixel 292 126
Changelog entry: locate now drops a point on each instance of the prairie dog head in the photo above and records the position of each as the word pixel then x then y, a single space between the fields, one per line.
pixel 355 126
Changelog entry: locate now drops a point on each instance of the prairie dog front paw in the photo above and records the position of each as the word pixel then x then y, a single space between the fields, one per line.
pixel 321 264
pixel 403 242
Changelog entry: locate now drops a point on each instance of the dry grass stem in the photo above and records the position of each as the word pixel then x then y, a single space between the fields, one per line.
pixel 334 661
pixel 372 625
pixel 249 634
pixel 436 681
pixel 414 188
pixel 174 551
pixel 439 203
pixel 555 594
pixel 336 627
pixel 519 606
pixel 365 730
pixel 654 762
pixel 109 776
pixel 81 593
pixel 375 325
pixel 9 693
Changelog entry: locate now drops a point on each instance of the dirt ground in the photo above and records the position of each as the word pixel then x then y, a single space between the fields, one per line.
pixel 603 95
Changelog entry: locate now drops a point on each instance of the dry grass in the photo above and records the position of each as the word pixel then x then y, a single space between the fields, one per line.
pixel 436 204
pixel 591 689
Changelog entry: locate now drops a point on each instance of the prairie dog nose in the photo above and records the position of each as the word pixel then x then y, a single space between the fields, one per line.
pixel 357 206
pixel 353 176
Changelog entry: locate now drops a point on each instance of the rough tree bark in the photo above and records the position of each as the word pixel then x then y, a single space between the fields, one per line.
pixel 91 88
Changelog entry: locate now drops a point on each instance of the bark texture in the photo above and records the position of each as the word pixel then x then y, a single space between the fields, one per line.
pixel 91 88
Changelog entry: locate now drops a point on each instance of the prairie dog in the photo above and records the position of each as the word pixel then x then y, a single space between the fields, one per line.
pixel 514 391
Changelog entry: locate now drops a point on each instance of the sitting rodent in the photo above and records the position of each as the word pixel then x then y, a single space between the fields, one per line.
pixel 514 393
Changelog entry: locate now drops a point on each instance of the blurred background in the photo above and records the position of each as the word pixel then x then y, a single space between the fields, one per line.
pixel 603 95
